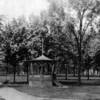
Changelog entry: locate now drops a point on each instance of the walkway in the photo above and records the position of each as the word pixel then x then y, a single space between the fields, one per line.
pixel 12 94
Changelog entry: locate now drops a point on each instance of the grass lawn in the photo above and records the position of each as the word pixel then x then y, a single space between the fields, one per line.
pixel 90 90
pixel 72 92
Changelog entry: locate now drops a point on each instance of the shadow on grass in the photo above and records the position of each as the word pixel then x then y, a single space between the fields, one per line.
pixel 84 82
pixel 91 82
pixel 17 84
pixel 12 84
pixel 24 82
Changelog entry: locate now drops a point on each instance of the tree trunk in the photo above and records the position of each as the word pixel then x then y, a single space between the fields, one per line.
pixel 66 74
pixel 88 73
pixel 27 74
pixel 80 48
pixel 6 72
pixel 14 73
pixel 79 67
pixel 74 71
pixel 79 76
pixel 93 72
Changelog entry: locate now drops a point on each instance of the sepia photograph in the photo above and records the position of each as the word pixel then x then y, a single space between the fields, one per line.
pixel 49 49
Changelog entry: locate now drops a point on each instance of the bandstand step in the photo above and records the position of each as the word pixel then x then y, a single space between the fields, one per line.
pixel 58 83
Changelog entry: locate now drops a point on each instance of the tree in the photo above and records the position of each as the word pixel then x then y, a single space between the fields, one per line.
pixel 14 42
pixel 85 15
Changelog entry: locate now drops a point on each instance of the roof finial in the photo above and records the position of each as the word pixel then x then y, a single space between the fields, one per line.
pixel 42 46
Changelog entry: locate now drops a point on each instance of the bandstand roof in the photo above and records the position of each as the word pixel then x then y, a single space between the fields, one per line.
pixel 41 58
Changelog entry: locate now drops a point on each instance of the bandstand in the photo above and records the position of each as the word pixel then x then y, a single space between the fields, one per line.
pixel 45 69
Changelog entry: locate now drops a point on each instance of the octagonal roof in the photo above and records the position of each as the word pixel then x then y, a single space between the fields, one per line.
pixel 43 58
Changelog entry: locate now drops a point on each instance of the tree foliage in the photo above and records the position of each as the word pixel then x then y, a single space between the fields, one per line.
pixel 67 35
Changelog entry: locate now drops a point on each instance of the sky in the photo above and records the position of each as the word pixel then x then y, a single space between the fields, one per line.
pixel 14 8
